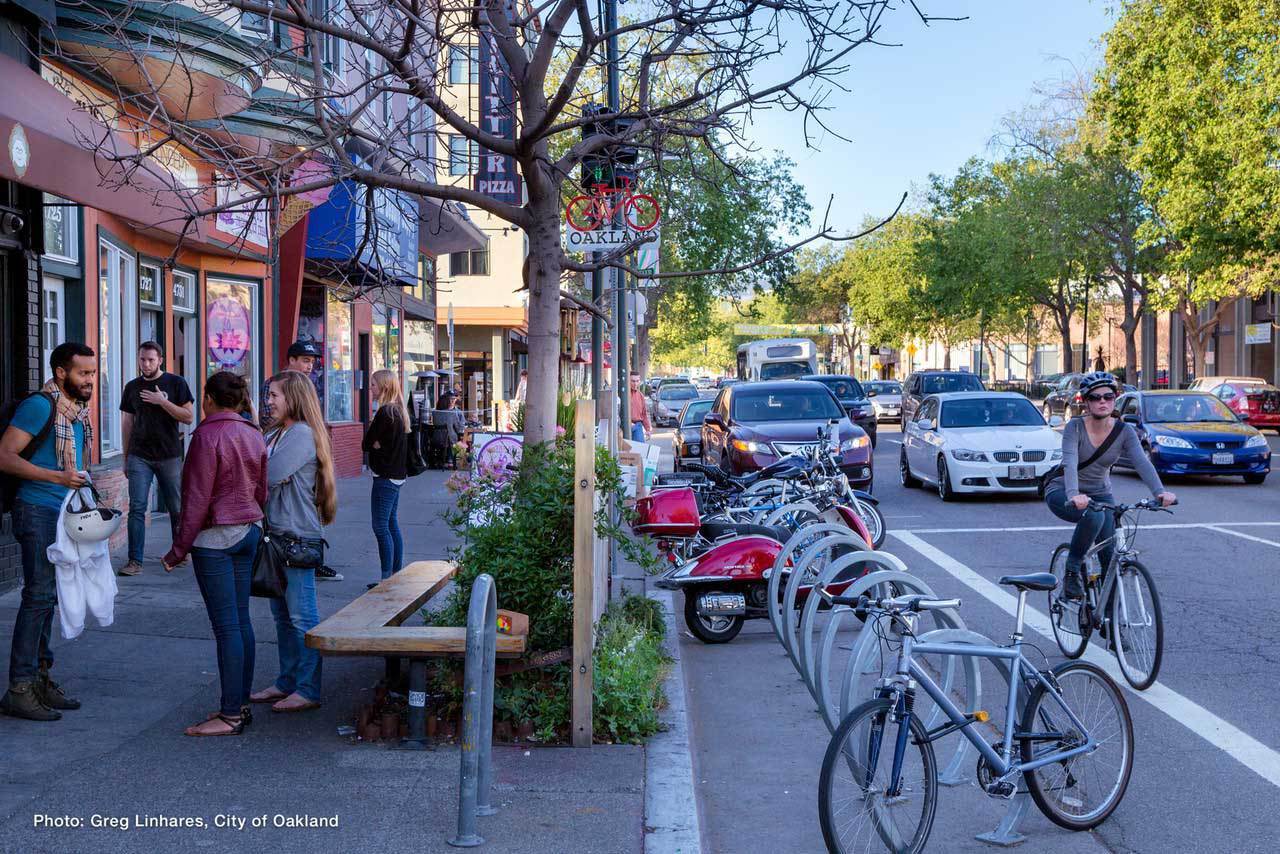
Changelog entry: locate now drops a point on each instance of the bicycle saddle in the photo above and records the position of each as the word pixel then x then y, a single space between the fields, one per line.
pixel 716 530
pixel 1030 581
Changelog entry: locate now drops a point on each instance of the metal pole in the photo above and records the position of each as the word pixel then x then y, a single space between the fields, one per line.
pixel 417 705
pixel 597 333
pixel 620 315
pixel 475 772
pixel 453 367
pixel 1084 367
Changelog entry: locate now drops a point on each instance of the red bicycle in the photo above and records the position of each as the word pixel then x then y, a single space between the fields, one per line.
pixel 639 211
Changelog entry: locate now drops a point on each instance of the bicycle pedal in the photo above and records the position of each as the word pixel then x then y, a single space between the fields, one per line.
pixel 1004 789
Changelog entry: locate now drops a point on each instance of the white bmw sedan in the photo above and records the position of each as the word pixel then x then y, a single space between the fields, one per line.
pixel 978 441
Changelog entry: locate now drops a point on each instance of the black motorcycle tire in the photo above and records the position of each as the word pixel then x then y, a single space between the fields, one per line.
pixel 700 630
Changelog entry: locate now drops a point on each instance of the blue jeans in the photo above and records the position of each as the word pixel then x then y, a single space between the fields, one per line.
pixel 1091 526
pixel 637 431
pixel 384 501
pixel 296 614
pixel 139 473
pixel 224 576
pixel 35 528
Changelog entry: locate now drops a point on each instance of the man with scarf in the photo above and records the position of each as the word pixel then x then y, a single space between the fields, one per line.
pixel 45 474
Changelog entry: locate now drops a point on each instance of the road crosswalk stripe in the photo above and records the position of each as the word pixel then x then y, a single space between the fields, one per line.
pixel 1232 740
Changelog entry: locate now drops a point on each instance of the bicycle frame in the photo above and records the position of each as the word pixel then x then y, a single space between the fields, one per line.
pixel 1111 572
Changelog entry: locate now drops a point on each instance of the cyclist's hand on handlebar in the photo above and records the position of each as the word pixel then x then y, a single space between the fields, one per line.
pixel 1167 499
pixel 1080 502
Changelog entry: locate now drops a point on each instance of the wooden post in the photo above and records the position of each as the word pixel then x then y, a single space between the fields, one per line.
pixel 584 477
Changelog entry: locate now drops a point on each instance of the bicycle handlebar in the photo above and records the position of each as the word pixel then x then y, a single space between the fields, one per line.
pixel 914 602
pixel 1144 504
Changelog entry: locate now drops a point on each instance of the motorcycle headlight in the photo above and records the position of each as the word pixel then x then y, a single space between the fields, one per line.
pixel 750 447
pixel 1056 455
pixel 855 442
pixel 1257 440
pixel 1172 442
pixel 967 456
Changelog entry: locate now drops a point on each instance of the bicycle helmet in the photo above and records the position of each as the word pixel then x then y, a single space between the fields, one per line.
pixel 90 523
pixel 1097 379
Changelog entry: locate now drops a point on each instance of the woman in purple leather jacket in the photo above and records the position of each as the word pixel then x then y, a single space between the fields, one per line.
pixel 224 488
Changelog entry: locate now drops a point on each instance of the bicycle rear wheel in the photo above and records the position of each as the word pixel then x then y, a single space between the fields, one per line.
pixel 583 213
pixel 1069 629
pixel 853 805
pixel 1137 625
pixel 1078 793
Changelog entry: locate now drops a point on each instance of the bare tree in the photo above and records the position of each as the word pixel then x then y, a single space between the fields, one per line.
pixel 695 71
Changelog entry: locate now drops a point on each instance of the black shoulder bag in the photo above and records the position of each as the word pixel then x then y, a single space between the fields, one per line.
pixel 277 551
pixel 1057 470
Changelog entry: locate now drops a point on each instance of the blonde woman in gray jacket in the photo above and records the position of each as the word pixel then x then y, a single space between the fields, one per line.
pixel 302 499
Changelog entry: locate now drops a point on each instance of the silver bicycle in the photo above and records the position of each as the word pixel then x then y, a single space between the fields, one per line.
pixel 1120 600
pixel 1070 739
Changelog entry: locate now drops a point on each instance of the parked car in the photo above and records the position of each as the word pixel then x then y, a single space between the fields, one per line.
pixel 1253 397
pixel 751 425
pixel 687 442
pixel 725 382
pixel 852 399
pixel 702 383
pixel 669 400
pixel 978 442
pixel 1065 398
pixel 1193 432
pixel 886 398
pixel 923 383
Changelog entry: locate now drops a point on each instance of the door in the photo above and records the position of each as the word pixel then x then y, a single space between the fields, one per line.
pixel 919 449
pixel 362 383
pixel 53 319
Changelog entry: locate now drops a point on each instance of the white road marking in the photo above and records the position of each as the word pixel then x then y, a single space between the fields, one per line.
pixel 1242 535
pixel 896 441
pixel 1227 737
pixel 1213 526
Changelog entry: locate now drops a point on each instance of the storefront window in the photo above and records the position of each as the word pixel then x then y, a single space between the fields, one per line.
pixel 386 338
pixel 152 316
pixel 117 337
pixel 61 229
pixel 231 324
pixel 311 313
pixel 339 380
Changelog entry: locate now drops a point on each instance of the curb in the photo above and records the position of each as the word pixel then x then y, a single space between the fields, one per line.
pixel 672 824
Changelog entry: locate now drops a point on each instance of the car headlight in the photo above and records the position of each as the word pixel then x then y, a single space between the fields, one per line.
pixel 1172 442
pixel 750 447
pixel 1257 440
pixel 695 448
pixel 969 456
pixel 855 442
pixel 1056 455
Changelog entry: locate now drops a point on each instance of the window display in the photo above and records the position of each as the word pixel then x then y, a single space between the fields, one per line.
pixel 338 359
pixel 230 328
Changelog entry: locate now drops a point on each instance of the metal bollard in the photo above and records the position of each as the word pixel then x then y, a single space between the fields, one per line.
pixel 476 765
pixel 417 739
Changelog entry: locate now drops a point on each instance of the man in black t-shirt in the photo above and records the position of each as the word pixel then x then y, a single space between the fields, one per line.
pixel 153 405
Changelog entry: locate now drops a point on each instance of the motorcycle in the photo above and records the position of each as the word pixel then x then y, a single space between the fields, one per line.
pixel 723 567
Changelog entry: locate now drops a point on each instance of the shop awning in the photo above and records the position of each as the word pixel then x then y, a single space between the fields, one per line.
pixel 445 227
pixel 47 140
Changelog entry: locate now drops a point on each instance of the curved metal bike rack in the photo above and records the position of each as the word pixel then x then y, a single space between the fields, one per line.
pixel 476 766
pixel 833 535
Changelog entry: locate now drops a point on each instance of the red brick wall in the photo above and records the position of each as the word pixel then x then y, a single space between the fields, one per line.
pixel 347 456
pixel 114 489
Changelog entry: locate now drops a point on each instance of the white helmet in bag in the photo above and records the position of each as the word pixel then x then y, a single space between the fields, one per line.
pixel 86 523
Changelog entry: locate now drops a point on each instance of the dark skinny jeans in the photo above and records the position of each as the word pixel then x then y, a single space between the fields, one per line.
pixel 1091 526
pixel 384 501
pixel 224 576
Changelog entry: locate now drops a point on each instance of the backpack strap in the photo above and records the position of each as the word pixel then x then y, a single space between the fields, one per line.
pixel 1106 444
pixel 38 439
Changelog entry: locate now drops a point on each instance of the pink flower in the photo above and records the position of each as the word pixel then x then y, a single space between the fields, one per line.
pixel 559 430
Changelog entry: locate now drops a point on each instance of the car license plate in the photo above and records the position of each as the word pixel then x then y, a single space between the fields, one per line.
pixel 1223 459
pixel 1022 472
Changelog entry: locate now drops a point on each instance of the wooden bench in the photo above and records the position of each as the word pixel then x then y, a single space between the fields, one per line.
pixel 372 625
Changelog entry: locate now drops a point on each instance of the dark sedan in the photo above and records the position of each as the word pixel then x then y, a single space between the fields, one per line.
pixel 853 400
pixel 669 400
pixel 751 425
pixel 687 443
pixel 1190 432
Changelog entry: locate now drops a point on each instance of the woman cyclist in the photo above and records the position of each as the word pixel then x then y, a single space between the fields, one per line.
pixel 1069 493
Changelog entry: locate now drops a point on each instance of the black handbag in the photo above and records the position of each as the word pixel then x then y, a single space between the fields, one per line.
pixel 268 580
pixel 414 464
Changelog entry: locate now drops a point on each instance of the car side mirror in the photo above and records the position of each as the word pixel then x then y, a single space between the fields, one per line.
pixel 1055 421
pixel 1129 419
pixel 1243 416
pixel 926 424
pixel 872 393
pixel 714 420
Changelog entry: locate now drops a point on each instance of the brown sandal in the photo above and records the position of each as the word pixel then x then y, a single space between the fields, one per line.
pixel 246 715
pixel 236 727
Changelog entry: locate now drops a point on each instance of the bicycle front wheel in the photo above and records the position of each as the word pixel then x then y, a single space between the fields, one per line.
pixel 859 804
pixel 642 211
pixel 1070 629
pixel 1137 625
pixel 1078 793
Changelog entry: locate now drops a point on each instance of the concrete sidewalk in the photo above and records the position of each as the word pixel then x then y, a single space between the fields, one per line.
pixel 123 755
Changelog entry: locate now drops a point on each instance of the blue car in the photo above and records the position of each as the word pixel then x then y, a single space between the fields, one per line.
pixel 1193 432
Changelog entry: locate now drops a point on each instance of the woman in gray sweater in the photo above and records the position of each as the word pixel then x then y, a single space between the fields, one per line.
pixel 302 499
pixel 1069 494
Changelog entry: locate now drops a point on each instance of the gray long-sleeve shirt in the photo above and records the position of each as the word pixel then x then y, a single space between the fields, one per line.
pixel 291 483
pixel 1096 479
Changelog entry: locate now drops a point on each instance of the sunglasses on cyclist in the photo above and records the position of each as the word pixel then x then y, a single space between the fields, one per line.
pixel 1096 398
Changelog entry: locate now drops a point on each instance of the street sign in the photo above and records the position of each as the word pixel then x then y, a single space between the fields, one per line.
pixel 783 330
pixel 604 239
pixel 647 261
pixel 1257 333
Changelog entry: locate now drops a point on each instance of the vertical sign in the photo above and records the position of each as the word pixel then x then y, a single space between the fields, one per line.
pixel 496 173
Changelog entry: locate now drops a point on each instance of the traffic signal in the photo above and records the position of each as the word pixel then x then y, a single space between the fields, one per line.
pixel 613 165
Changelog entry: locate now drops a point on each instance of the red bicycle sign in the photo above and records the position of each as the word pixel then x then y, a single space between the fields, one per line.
pixel 589 212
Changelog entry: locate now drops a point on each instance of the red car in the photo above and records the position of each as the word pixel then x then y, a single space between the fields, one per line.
pixel 1251 397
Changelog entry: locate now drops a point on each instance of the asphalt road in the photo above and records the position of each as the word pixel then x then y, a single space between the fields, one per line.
pixel 1207 757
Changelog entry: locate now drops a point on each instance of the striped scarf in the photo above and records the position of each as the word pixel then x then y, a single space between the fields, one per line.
pixel 66 412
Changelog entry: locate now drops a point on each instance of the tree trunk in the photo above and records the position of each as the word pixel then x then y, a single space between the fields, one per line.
pixel 544 322
pixel 1068 360
pixel 1129 326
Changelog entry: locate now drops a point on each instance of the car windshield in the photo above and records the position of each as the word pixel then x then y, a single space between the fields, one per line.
pixel 941 383
pixel 783 370
pixel 694 412
pixel 885 388
pixel 1179 408
pixel 991 412
pixel 677 392
pixel 1256 388
pixel 843 388
pixel 800 404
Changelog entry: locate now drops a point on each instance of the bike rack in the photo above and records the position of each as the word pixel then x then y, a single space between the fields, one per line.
pixel 771 520
pixel 833 535
pixel 476 765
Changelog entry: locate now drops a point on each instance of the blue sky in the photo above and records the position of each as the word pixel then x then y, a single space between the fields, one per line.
pixel 932 103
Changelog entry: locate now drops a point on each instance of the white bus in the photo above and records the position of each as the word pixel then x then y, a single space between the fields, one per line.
pixel 777 359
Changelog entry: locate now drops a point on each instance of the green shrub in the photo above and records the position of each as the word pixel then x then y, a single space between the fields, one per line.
pixel 629 667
